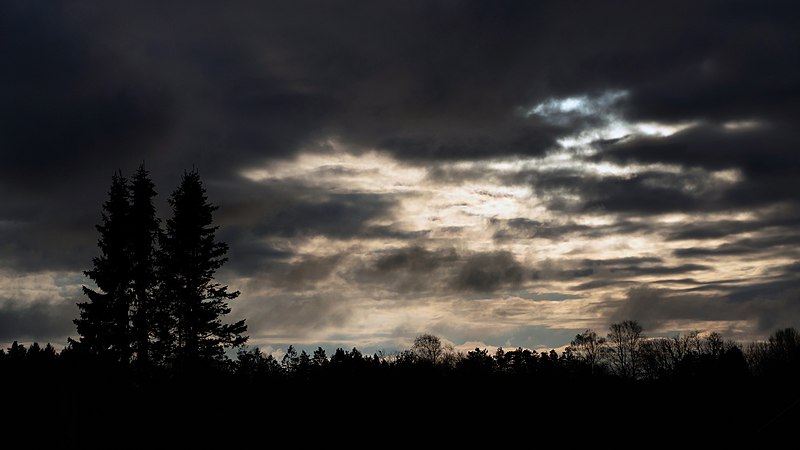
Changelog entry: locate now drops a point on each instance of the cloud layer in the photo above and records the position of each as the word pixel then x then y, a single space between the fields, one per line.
pixel 496 172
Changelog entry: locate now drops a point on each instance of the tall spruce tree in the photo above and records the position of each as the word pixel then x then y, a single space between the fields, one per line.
pixel 190 257
pixel 146 314
pixel 103 324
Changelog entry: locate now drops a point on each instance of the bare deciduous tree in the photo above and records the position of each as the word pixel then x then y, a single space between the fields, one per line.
pixel 589 348
pixel 428 348
pixel 625 339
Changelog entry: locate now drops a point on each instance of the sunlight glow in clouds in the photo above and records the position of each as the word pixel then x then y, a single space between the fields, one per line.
pixel 583 106
pixel 742 125
pixel 371 171
pixel 617 128
pixel 465 213
pixel 602 108
pixel 47 286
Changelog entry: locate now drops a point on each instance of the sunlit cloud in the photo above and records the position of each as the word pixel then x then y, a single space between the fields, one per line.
pixel 736 125
pixel 558 110
pixel 40 286
pixel 609 121
pixel 466 213
pixel 617 128
pixel 371 171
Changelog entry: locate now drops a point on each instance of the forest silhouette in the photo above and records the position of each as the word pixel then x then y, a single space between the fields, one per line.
pixel 154 365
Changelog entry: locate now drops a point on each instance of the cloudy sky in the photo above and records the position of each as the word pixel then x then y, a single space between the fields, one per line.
pixel 496 173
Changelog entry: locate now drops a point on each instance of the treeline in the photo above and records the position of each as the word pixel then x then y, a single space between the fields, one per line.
pixel 684 387
pixel 625 353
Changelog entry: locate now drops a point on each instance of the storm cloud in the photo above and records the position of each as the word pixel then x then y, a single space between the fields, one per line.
pixel 385 168
pixel 37 321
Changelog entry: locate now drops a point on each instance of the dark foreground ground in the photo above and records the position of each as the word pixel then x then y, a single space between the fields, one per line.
pixel 104 409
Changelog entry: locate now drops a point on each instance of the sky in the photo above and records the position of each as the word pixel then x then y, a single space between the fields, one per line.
pixel 494 173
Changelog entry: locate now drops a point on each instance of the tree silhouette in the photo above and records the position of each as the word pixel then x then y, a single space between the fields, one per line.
pixel 589 348
pixel 625 339
pixel 522 361
pixel 255 365
pixel 17 352
pixel 304 365
pixel 290 360
pixel 477 362
pixel 144 232
pixel 779 356
pixel 715 344
pixel 500 360
pixel 103 322
pixel 428 348
pixel 190 256
pixel 319 359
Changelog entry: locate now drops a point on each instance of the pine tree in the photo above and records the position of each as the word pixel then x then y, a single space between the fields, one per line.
pixel 103 322
pixel 190 256
pixel 144 232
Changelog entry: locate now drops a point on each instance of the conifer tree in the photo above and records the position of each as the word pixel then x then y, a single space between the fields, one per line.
pixel 103 323
pixel 146 314
pixel 190 256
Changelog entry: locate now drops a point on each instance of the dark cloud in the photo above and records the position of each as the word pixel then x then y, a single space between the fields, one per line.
pixel 38 245
pixel 755 148
pixel 764 233
pixel 793 268
pixel 518 228
pixel 423 80
pixel 414 269
pixel 294 314
pixel 262 223
pixel 585 275
pixel 771 301
pixel 521 139
pixel 261 81
pixel 408 269
pixel 248 81
pixel 655 307
pixel 486 272
pixel 272 268
pixel 551 296
pixel 524 228
pixel 414 259
pixel 641 194
pixel 770 304
pixel 73 111
pixel 294 209
pixel 626 261
pixel 311 270
pixel 662 270
pixel 249 255
pixel 333 215
pixel 38 321
pixel 448 175
pixel 746 246
pixel 611 271
pixel 713 229
pixel 645 193
pixel 764 155
pixel 68 101
pixel 742 50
